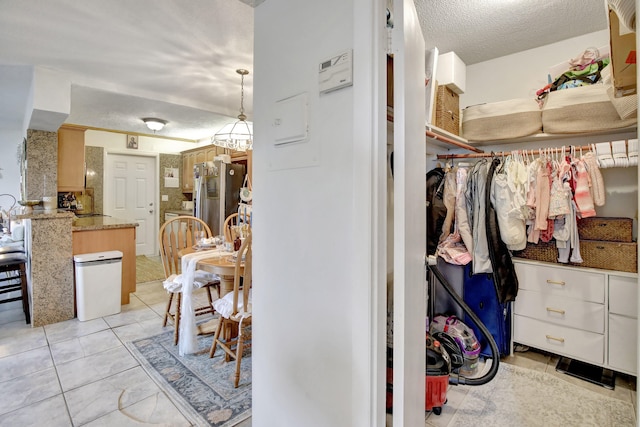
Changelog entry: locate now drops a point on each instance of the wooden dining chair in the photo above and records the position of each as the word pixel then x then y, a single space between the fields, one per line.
pixel 231 221
pixel 235 312
pixel 175 235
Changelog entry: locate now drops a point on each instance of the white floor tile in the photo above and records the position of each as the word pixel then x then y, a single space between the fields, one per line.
pixel 28 389
pixel 24 340
pixel 51 412
pixel 156 410
pixel 131 316
pixel 25 363
pixel 94 367
pixel 77 348
pixel 92 401
pixel 73 328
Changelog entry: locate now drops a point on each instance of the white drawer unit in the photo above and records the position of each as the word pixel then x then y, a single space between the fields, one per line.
pixel 562 311
pixel 570 342
pixel 567 282
pixel 623 323
pixel 581 313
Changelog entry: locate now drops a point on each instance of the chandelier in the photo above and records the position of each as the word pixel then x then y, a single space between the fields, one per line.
pixel 239 135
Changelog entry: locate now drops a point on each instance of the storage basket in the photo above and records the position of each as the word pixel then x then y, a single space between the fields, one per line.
pixel 542 251
pixel 448 110
pixel 611 229
pixel 618 256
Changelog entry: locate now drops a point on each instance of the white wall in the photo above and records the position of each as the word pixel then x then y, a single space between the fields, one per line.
pixel 313 288
pixel 520 75
pixel 146 144
pixel 9 166
pixel 16 101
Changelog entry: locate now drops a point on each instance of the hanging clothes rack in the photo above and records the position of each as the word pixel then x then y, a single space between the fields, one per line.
pixel 567 149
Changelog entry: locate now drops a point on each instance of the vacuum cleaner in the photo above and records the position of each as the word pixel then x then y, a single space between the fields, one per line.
pixel 445 355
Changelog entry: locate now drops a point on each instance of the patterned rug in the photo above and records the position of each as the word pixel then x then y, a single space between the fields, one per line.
pixel 148 269
pixel 202 388
pixel 524 397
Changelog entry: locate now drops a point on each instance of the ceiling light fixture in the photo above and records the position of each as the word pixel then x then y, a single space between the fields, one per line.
pixel 154 124
pixel 239 135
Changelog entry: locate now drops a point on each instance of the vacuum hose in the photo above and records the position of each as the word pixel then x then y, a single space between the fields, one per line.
pixel 492 342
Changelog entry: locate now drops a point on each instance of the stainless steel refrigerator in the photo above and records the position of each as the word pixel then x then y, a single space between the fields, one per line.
pixel 217 192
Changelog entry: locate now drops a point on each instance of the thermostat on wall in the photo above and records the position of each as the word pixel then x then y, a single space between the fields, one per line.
pixel 336 72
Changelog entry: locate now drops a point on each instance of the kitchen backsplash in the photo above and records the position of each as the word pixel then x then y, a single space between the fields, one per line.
pixel 81 202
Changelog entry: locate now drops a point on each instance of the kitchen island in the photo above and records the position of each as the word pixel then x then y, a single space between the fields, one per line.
pixel 104 233
pixel 51 240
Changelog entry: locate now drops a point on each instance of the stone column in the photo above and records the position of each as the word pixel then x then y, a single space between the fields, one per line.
pixel 42 164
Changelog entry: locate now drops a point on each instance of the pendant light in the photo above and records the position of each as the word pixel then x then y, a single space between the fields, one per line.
pixel 239 135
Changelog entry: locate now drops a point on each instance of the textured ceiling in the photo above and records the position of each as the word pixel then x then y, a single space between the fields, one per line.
pixel 132 59
pixel 479 30
pixel 176 59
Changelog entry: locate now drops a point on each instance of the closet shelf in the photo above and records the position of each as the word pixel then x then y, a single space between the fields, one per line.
pixel 444 139
pixel 541 137
pixel 440 137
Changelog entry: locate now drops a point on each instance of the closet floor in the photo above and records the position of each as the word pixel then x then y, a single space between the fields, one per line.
pixel 625 388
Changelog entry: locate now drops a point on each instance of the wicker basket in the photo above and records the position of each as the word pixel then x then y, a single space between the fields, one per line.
pixel 542 251
pixel 618 256
pixel 610 229
pixel 448 110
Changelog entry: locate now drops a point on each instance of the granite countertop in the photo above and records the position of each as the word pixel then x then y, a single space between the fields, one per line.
pixel 100 223
pixel 180 212
pixel 42 214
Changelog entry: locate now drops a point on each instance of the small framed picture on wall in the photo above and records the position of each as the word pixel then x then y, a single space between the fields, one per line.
pixel 132 142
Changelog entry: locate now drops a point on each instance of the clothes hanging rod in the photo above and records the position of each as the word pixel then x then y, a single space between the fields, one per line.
pixel 567 149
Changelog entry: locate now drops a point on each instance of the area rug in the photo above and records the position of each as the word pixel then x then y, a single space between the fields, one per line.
pixel 148 269
pixel 201 388
pixel 523 397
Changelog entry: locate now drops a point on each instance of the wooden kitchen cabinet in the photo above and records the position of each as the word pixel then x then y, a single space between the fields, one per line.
pixel 200 156
pixel 71 165
pixel 188 160
pixel 208 154
pixel 212 152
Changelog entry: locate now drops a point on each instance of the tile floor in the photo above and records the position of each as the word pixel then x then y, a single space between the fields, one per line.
pixel 81 374
pixel 76 373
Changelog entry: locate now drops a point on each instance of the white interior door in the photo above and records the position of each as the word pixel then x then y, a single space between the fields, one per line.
pixel 409 232
pixel 130 193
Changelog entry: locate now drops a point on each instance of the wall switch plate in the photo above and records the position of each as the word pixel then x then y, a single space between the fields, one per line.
pixel 165 198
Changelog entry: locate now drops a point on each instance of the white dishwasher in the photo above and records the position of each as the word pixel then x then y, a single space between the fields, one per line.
pixel 98 284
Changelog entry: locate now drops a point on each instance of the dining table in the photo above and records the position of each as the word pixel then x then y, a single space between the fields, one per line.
pixel 220 263
pixel 212 260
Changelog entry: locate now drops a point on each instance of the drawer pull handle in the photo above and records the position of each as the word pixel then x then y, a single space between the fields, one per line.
pixel 555 310
pixel 555 282
pixel 550 337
